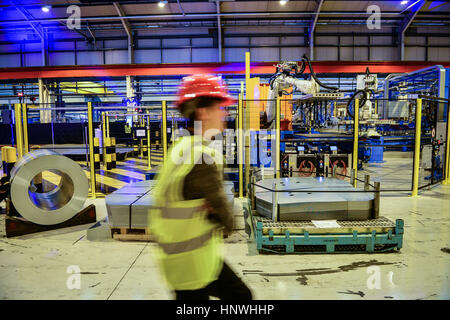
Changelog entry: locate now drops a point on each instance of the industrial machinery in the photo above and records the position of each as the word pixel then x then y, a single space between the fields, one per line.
pixel 286 76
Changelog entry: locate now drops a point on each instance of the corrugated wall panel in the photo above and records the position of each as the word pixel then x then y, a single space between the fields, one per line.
pixel 32 47
pixel 264 54
pixel 383 54
pixel 149 43
pixel 346 41
pixel 346 53
pixel 147 56
pixel 9 48
pixel 439 41
pixel 10 61
pixel 116 57
pixel 269 41
pixel 175 42
pixel 83 45
pixel 235 54
pixel 116 44
pixel 205 55
pixel 236 41
pixel 415 53
pixel 326 40
pixel 176 56
pixel 33 59
pixel 62 58
pixel 90 58
pixel 361 54
pixel 293 53
pixel 438 54
pixel 381 40
pixel 299 41
pixel 415 40
pixel 202 42
pixel 361 41
pixel 326 53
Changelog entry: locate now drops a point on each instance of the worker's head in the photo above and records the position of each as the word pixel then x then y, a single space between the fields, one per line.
pixel 203 98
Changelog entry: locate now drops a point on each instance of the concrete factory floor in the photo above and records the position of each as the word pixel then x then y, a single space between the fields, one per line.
pixel 41 266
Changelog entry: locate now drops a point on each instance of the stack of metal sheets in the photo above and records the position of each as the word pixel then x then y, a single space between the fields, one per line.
pixel 128 207
pixel 334 203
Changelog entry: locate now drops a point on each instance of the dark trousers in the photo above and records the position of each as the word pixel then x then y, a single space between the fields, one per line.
pixel 227 287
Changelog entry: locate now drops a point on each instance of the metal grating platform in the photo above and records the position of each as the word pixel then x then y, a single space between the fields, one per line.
pixel 380 225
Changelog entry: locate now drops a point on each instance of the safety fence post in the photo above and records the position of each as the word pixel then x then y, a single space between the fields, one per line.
pixel 418 134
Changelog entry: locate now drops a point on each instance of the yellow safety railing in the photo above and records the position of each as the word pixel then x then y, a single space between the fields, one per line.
pixel 247 120
pixel 447 149
pixel 107 124
pixel 25 128
pixel 355 143
pixel 19 132
pixel 240 146
pixel 149 154
pixel 276 148
pixel 418 134
pixel 164 130
pixel 91 151
pixel 104 138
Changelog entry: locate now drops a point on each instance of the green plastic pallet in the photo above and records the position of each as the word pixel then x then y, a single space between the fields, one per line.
pixel 370 236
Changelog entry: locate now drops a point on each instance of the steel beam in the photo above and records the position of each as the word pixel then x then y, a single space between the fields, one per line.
pixel 29 19
pixel 127 27
pixel 413 10
pixel 179 69
pixel 312 27
pixel 219 28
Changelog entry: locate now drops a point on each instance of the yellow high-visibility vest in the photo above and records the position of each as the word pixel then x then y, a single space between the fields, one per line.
pixel 190 247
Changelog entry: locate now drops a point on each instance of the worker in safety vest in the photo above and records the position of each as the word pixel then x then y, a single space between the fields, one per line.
pixel 192 213
pixel 128 134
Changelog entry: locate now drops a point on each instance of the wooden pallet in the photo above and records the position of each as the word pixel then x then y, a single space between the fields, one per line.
pixel 127 234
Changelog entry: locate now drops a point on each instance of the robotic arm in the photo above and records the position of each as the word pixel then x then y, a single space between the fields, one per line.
pixel 284 79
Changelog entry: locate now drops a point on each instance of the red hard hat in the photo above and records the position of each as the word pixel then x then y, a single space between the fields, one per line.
pixel 203 85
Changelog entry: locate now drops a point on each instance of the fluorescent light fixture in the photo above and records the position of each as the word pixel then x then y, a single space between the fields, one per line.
pixel 404 2
pixel 162 3
pixel 283 2
pixel 46 8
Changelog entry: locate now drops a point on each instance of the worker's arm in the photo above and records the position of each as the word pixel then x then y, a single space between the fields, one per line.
pixel 204 182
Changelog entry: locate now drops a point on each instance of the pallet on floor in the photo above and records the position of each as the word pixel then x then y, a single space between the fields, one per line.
pixel 371 236
pixel 127 234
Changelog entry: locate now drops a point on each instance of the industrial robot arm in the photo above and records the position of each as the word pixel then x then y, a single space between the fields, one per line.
pixel 283 81
pixel 285 78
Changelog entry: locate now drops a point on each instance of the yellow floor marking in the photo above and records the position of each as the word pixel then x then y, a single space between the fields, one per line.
pixel 128 173
pixel 107 180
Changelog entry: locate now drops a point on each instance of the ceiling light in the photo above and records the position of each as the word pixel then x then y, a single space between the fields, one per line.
pixel 404 2
pixel 283 2
pixel 162 3
pixel 46 8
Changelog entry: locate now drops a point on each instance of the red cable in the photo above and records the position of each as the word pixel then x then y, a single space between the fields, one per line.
pixel 302 164
pixel 345 169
